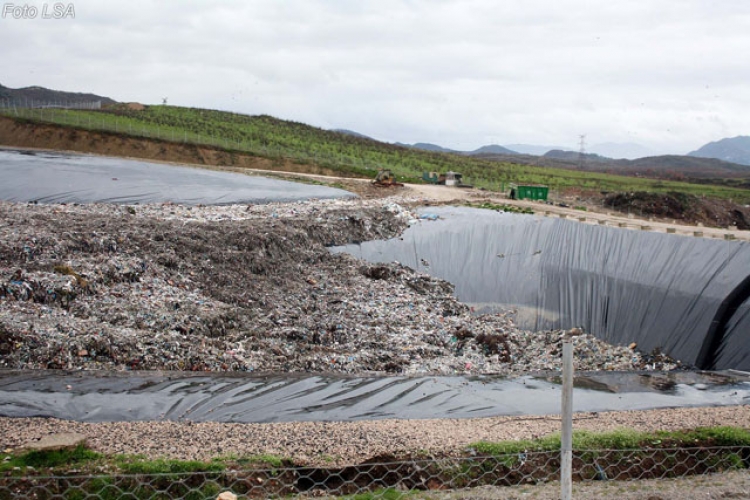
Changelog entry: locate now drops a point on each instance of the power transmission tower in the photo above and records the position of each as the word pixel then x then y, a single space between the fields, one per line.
pixel 582 151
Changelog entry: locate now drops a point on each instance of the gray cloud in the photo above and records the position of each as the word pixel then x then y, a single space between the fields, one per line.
pixel 670 75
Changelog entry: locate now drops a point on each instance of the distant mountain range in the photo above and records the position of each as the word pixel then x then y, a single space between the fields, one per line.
pixel 426 146
pixel 727 158
pixel 493 149
pixel 621 150
pixel 489 149
pixel 352 133
pixel 611 150
pixel 573 155
pixel 735 150
pixel 531 149
pixel 43 95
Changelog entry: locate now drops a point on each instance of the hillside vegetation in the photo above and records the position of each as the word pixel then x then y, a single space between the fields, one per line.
pixel 274 138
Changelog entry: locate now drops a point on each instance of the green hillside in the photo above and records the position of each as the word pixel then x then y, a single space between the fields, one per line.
pixel 271 137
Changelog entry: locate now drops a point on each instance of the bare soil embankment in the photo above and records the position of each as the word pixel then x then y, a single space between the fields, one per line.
pixel 33 135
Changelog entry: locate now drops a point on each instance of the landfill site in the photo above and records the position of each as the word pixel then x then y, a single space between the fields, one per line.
pixel 251 289
pixel 295 288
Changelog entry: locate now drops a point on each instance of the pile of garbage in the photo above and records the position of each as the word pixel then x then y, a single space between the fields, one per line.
pixel 247 288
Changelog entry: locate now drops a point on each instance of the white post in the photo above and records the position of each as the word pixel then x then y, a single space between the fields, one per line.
pixel 566 448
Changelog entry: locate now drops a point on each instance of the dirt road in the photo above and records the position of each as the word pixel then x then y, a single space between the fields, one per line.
pixel 413 194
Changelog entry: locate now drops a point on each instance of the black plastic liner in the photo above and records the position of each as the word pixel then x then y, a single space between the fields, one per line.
pixel 732 351
pixel 143 396
pixel 660 291
pixel 47 177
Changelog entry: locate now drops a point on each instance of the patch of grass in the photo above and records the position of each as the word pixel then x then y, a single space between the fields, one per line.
pixel 128 465
pixel 548 443
pixel 328 458
pixel 623 439
pixel 50 459
pixel 717 436
pixel 382 494
pixel 264 459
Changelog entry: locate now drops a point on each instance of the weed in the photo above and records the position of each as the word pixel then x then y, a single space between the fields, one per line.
pixel 623 439
pixel 382 494
pixel 718 436
pixel 50 459
pixel 264 459
pixel 166 466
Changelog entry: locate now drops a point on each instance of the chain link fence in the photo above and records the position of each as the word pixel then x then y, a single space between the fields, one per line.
pixel 14 104
pixel 385 479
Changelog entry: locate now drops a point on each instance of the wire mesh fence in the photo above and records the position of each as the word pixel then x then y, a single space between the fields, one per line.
pixel 9 103
pixel 384 479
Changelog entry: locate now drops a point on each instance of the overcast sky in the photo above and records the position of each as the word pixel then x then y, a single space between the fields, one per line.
pixel 670 75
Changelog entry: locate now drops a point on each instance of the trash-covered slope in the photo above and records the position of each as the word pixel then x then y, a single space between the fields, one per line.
pixel 244 288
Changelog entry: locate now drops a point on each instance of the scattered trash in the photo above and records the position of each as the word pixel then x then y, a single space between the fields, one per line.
pixel 247 288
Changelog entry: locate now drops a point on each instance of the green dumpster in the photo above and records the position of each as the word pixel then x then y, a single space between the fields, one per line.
pixel 528 192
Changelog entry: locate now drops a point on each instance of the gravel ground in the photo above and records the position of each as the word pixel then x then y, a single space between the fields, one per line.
pixel 709 487
pixel 247 288
pixel 342 443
